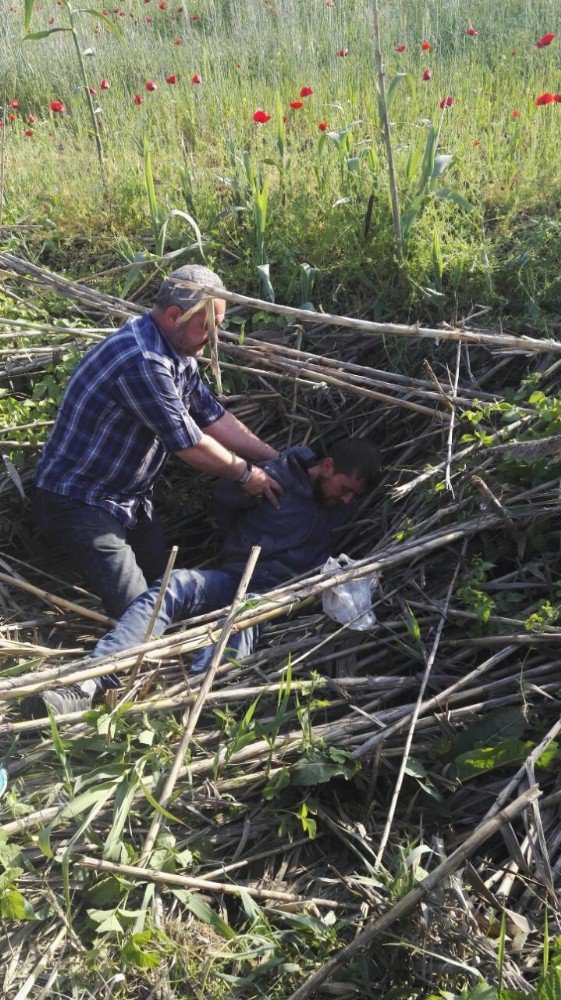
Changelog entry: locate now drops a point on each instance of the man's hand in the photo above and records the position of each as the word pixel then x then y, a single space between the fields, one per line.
pixel 260 484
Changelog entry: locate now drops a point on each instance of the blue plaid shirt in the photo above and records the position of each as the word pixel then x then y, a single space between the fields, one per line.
pixel 130 402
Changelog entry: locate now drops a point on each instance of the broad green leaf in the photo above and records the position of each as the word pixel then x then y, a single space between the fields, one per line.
pixel 156 805
pixel 412 625
pixel 549 755
pixel 413 161
pixel 318 768
pixel 10 854
pixel 502 724
pixel 265 278
pixel 392 89
pixel 253 912
pixel 123 801
pixel 91 797
pixel 135 952
pixel 36 35
pixel 484 759
pixel 14 906
pixel 415 855
pixel 44 842
pixel 440 164
pixel 110 925
pixel 28 8
pixel 455 197
pixel 189 219
pixel 202 911
pixel 415 768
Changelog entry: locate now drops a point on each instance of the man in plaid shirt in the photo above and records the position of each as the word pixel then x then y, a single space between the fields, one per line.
pixel 135 398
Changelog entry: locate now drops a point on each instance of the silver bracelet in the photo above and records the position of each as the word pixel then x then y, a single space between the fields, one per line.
pixel 247 475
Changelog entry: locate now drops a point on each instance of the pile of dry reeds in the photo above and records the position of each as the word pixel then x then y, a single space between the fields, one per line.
pixel 446 711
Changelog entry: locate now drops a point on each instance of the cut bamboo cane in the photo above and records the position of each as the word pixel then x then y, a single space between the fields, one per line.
pixel 195 712
pixel 153 617
pixel 528 345
pixel 60 603
pixel 206 885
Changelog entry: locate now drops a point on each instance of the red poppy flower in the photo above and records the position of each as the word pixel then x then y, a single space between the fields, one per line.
pixel 12 118
pixel 150 85
pixel 238 65
pixel 296 105
pixel 546 98
pixel 196 78
pixel 92 91
pixel 329 3
pixel 195 17
pixel 472 32
pixel 260 117
pixel 148 20
pixel 446 102
pixel 400 48
pixel 178 41
pixel 323 126
pixel 57 107
pixel 544 41
pixel 14 103
pixel 475 142
pixel 284 119
pixel 138 99
pixel 171 79
pixel 425 46
pixel 104 85
pixel 516 113
pixel 28 131
pixel 31 119
pixel 427 74
pixel 557 98
pixel 306 91
pixel 162 5
pixel 514 52
pixel 51 20
pixel 342 53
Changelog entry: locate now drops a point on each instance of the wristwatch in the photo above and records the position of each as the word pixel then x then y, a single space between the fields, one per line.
pixel 247 474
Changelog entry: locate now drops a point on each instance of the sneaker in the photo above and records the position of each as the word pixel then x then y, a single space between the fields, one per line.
pixel 62 701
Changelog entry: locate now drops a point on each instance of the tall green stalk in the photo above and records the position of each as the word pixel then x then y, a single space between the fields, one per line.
pixel 72 28
pixel 93 116
pixel 387 132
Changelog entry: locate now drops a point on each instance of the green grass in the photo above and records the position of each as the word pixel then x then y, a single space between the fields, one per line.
pixel 504 251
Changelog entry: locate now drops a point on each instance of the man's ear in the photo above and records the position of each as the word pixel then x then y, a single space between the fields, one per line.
pixel 328 467
pixel 173 313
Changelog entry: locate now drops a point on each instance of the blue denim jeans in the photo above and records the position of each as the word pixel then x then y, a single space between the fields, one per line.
pixel 116 563
pixel 189 592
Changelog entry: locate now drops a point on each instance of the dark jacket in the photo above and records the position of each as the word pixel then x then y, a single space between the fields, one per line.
pixel 295 538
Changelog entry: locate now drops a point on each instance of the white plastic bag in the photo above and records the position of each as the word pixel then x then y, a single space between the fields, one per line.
pixel 350 603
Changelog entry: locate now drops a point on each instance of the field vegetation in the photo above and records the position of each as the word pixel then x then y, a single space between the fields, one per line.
pixel 284 192
pixel 247 134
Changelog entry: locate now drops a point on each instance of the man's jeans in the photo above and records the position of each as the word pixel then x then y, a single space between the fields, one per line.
pixel 190 592
pixel 117 564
